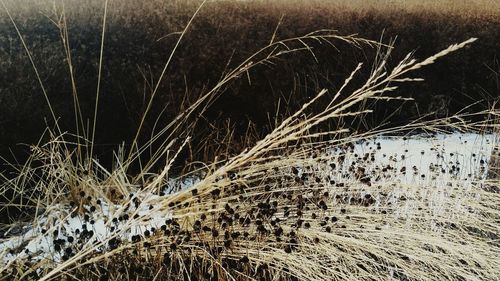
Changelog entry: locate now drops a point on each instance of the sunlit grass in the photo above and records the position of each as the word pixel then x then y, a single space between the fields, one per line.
pixel 253 214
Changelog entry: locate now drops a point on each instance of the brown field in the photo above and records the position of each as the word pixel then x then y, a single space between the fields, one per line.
pixel 141 34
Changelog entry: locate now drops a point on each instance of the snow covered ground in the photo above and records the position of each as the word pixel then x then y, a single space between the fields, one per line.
pixel 430 160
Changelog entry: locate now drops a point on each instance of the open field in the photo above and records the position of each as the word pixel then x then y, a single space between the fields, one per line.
pixel 249 140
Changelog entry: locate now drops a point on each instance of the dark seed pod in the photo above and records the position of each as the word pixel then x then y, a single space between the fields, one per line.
pixel 278 231
pixel 261 229
pixel 215 192
pixel 68 251
pixel 136 238
pixel 166 259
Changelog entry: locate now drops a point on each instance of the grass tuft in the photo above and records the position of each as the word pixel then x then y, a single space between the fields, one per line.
pixel 298 204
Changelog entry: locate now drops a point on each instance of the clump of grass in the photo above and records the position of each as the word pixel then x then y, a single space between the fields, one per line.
pixel 268 212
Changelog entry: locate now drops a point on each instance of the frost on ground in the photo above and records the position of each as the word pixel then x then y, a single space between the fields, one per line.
pixel 440 165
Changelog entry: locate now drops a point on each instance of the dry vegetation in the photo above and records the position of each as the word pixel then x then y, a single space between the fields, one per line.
pixel 267 210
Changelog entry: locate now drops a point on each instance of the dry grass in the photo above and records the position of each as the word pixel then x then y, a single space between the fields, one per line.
pixel 466 8
pixel 251 216
pixel 444 6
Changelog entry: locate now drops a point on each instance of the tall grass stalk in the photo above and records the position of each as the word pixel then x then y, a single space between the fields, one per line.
pixel 98 91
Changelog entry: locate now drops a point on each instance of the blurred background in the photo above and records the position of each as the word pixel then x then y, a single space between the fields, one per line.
pixel 140 36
